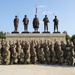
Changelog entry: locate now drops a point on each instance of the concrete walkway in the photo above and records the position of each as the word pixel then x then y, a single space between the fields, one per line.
pixel 36 70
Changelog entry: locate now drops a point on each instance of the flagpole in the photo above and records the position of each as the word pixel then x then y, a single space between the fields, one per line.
pixel 36 10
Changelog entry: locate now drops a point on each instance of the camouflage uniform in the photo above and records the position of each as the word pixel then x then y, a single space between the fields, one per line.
pixel 22 57
pixel 37 50
pixel 0 59
pixel 60 56
pixel 47 56
pixel 26 47
pixel 12 47
pixel 63 47
pixel 67 53
pixel 6 57
pixel 56 48
pixel 27 57
pixel 41 56
pixel 67 56
pixel 71 59
pixel 23 45
pixel 14 59
pixel 33 57
pixel 50 46
pixel 32 45
pixel 53 56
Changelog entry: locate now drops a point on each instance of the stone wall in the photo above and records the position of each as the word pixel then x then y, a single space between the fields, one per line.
pixel 37 36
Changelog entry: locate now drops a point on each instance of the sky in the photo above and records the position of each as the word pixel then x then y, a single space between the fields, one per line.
pixel 64 9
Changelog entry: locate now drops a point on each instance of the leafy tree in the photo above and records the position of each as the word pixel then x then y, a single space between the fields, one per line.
pixel 2 35
pixel 67 36
pixel 73 37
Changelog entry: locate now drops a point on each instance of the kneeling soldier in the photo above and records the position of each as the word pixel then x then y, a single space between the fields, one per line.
pixel 6 56
pixel 14 58
pixel 41 56
pixel 33 57
pixel 22 57
pixel 27 57
pixel 53 56
pixel 47 56
pixel 60 56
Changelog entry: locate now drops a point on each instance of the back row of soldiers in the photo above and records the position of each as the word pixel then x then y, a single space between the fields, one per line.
pixel 32 52
pixel 35 23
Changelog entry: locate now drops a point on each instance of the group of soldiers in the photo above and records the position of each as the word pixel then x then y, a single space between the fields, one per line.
pixel 37 52
pixel 36 23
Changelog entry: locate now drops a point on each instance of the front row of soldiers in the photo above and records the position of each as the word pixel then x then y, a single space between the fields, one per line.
pixel 32 52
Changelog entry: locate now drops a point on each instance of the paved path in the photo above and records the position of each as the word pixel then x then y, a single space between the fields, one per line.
pixel 36 70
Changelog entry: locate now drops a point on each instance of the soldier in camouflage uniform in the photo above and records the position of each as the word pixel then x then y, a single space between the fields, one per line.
pixel 53 56
pixel 56 47
pixel 32 45
pixel 0 59
pixel 41 44
pixel 63 47
pixel 41 56
pixel 14 58
pixel 74 44
pixel 71 59
pixel 27 57
pixel 33 57
pixel 60 56
pixel 26 47
pixel 23 45
pixel 7 44
pixel 3 46
pixel 47 56
pixel 45 46
pixel 6 56
pixel 0 55
pixel 12 47
pixel 67 52
pixel 37 50
pixel 50 46
pixel 18 49
pixel 22 57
